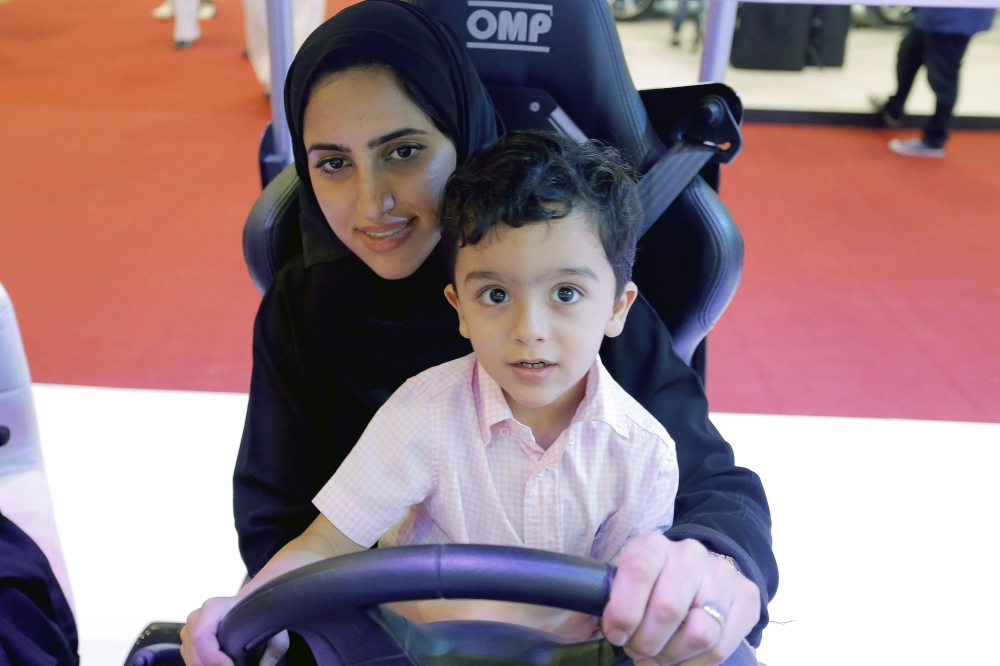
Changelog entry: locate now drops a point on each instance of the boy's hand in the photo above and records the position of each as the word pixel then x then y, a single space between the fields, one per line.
pixel 657 604
pixel 199 643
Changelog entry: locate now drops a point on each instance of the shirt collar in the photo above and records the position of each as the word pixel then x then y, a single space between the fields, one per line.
pixel 601 402
pixel 491 404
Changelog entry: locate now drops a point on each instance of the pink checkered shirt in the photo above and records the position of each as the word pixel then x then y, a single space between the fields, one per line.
pixel 444 461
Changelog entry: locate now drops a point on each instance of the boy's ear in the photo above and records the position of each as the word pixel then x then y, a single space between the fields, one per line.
pixel 620 311
pixel 452 296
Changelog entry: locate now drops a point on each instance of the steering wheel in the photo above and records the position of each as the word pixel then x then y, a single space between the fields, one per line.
pixel 334 606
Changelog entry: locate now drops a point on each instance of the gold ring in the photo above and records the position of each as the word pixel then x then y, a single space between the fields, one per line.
pixel 716 612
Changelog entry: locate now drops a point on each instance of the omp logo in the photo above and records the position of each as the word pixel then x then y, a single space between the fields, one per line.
pixel 510 25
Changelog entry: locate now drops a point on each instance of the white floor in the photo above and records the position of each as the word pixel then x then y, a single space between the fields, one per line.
pixel 885 531
pixel 869 68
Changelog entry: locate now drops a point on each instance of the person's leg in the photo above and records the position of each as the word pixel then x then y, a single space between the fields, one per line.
pixel 697 16
pixel 255 27
pixel 943 55
pixel 308 16
pixel 186 26
pixel 908 62
pixel 679 17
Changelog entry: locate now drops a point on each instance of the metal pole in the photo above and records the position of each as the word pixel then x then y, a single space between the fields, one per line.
pixel 281 43
pixel 719 26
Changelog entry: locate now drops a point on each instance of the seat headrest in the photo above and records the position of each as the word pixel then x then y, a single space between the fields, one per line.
pixel 569 49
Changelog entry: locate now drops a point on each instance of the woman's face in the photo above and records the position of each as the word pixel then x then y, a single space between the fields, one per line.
pixel 378 166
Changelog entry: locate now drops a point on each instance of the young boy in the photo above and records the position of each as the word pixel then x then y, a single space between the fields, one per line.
pixel 527 441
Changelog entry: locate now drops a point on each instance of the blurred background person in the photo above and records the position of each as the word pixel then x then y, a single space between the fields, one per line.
pixel 937 40
pixel 186 15
pixel 165 10
pixel 306 17
pixel 695 11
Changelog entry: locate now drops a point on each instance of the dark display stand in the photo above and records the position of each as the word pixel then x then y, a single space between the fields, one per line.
pixel 828 35
pixel 789 37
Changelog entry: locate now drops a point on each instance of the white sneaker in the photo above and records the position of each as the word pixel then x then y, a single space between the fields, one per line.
pixel 914 148
pixel 207 10
pixel 164 12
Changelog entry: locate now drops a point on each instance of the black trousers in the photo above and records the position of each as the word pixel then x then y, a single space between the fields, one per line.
pixel 942 55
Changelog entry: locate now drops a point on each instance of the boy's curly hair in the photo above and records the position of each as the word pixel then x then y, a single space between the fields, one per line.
pixel 525 177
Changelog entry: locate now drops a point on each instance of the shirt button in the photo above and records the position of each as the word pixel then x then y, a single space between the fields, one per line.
pixel 504 432
pixel 540 472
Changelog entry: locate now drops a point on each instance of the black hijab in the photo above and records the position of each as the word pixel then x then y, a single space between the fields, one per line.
pixel 422 51
pixel 380 332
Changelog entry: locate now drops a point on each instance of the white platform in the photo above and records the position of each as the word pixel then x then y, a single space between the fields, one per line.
pixel 141 482
pixel 885 531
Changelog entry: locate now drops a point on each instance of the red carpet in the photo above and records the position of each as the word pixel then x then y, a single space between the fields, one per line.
pixel 128 171
pixel 871 283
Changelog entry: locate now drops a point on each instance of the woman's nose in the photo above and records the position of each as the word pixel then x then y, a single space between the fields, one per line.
pixel 530 325
pixel 374 196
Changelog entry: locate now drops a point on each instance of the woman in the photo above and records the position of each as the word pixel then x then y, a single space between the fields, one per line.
pixel 382 104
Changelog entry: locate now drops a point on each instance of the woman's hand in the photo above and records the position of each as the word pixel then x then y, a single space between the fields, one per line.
pixel 657 606
pixel 199 644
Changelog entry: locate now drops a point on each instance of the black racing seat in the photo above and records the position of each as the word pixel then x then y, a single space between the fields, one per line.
pixel 558 65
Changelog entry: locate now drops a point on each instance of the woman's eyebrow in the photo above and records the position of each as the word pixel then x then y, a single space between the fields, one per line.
pixel 329 146
pixel 391 136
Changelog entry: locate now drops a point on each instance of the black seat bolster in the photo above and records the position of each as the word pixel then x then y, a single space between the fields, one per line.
pixel 271 231
pixel 689 265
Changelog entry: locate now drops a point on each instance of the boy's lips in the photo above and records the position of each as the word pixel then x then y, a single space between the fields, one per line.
pixel 386 237
pixel 532 370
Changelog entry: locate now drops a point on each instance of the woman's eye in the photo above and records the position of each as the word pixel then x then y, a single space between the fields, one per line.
pixel 566 294
pixel 494 296
pixel 333 164
pixel 405 152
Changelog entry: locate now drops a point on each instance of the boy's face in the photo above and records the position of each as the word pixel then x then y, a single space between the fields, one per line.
pixel 536 302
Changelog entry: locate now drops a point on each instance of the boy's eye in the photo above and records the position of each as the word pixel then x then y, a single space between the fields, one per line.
pixel 494 296
pixel 566 294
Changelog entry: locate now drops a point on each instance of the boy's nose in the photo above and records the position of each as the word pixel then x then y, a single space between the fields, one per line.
pixel 529 324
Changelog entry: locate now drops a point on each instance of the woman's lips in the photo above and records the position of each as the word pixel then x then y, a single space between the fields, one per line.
pixel 386 237
pixel 533 370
